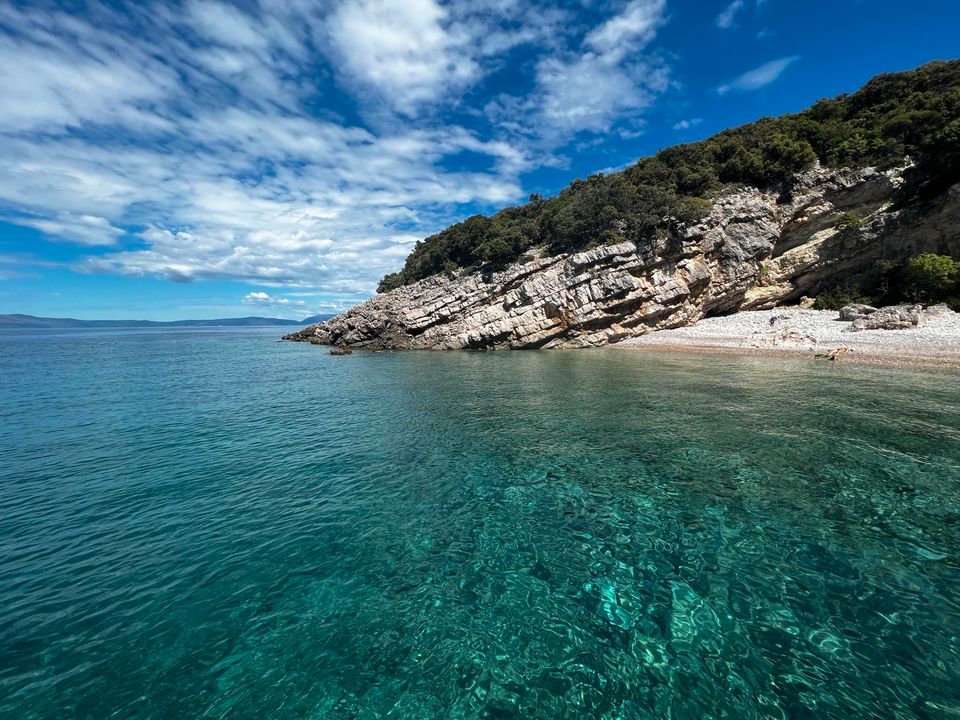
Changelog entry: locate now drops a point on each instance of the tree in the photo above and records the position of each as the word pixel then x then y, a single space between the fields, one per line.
pixel 391 282
pixel 931 277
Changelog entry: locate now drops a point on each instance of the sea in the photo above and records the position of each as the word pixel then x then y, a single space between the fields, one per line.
pixel 204 523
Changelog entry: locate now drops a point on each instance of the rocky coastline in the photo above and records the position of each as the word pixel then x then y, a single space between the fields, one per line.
pixel 755 250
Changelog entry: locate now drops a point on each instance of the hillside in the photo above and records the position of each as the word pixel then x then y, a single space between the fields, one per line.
pixel 833 201
pixel 914 114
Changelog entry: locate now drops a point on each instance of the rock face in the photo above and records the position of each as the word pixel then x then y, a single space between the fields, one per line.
pixel 755 250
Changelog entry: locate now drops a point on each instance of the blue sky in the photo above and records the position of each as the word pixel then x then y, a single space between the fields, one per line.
pixel 207 159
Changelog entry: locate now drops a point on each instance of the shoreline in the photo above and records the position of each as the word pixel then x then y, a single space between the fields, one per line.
pixel 800 334
pixel 854 358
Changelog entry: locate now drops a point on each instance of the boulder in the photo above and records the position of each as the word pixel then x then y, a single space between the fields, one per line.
pixel 856 311
pixel 934 312
pixel 895 317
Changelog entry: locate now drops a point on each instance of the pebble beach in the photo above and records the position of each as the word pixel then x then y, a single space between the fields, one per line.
pixel 809 333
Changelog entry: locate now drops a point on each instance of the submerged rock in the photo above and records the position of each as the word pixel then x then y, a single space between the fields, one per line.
pixel 341 350
pixel 754 250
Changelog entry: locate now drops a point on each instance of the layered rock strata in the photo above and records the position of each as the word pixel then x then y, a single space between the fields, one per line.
pixel 754 250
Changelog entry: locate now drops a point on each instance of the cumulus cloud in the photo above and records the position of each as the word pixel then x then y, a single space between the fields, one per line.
pixel 607 78
pixel 405 49
pixel 758 77
pixel 210 158
pixel 687 124
pixel 263 299
pixel 633 28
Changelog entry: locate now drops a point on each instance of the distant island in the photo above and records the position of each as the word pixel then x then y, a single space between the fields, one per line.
pixel 33 322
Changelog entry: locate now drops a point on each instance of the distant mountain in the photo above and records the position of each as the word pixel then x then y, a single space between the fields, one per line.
pixel 30 321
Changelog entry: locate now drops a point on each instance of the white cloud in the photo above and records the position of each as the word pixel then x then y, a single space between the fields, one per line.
pixel 404 49
pixel 225 24
pixel 687 124
pixel 200 141
pixel 608 79
pixel 67 85
pixel 79 229
pixel 635 27
pixel 224 176
pixel 726 18
pixel 758 77
pixel 590 93
pixel 263 299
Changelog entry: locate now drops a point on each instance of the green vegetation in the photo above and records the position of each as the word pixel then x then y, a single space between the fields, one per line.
pixel 848 221
pixel 915 113
pixel 931 278
pixel 846 294
pixel 926 278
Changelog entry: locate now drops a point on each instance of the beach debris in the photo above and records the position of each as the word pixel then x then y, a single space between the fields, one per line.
pixel 794 336
pixel 833 354
pixel 782 328
pixel 806 303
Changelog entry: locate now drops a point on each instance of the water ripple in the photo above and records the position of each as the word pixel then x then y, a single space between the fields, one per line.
pixel 219 525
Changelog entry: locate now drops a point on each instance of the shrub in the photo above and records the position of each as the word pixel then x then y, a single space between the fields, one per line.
pixel 931 278
pixel 496 251
pixel 391 282
pixel 691 209
pixel 848 221
pixel 840 295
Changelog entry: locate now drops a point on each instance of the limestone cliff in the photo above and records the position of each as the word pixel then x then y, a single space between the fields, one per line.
pixel 754 250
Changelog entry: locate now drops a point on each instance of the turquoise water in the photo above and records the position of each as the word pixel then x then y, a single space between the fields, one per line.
pixel 217 525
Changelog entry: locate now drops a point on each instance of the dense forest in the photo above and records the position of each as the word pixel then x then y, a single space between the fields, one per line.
pixel 915 113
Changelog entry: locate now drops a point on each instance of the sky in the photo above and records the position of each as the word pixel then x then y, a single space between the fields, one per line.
pixel 206 159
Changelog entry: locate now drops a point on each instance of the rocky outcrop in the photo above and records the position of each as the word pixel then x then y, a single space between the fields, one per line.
pixel 754 250
pixel 856 311
pixel 895 317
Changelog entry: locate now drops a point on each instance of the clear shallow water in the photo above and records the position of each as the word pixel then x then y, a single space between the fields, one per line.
pixel 198 524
